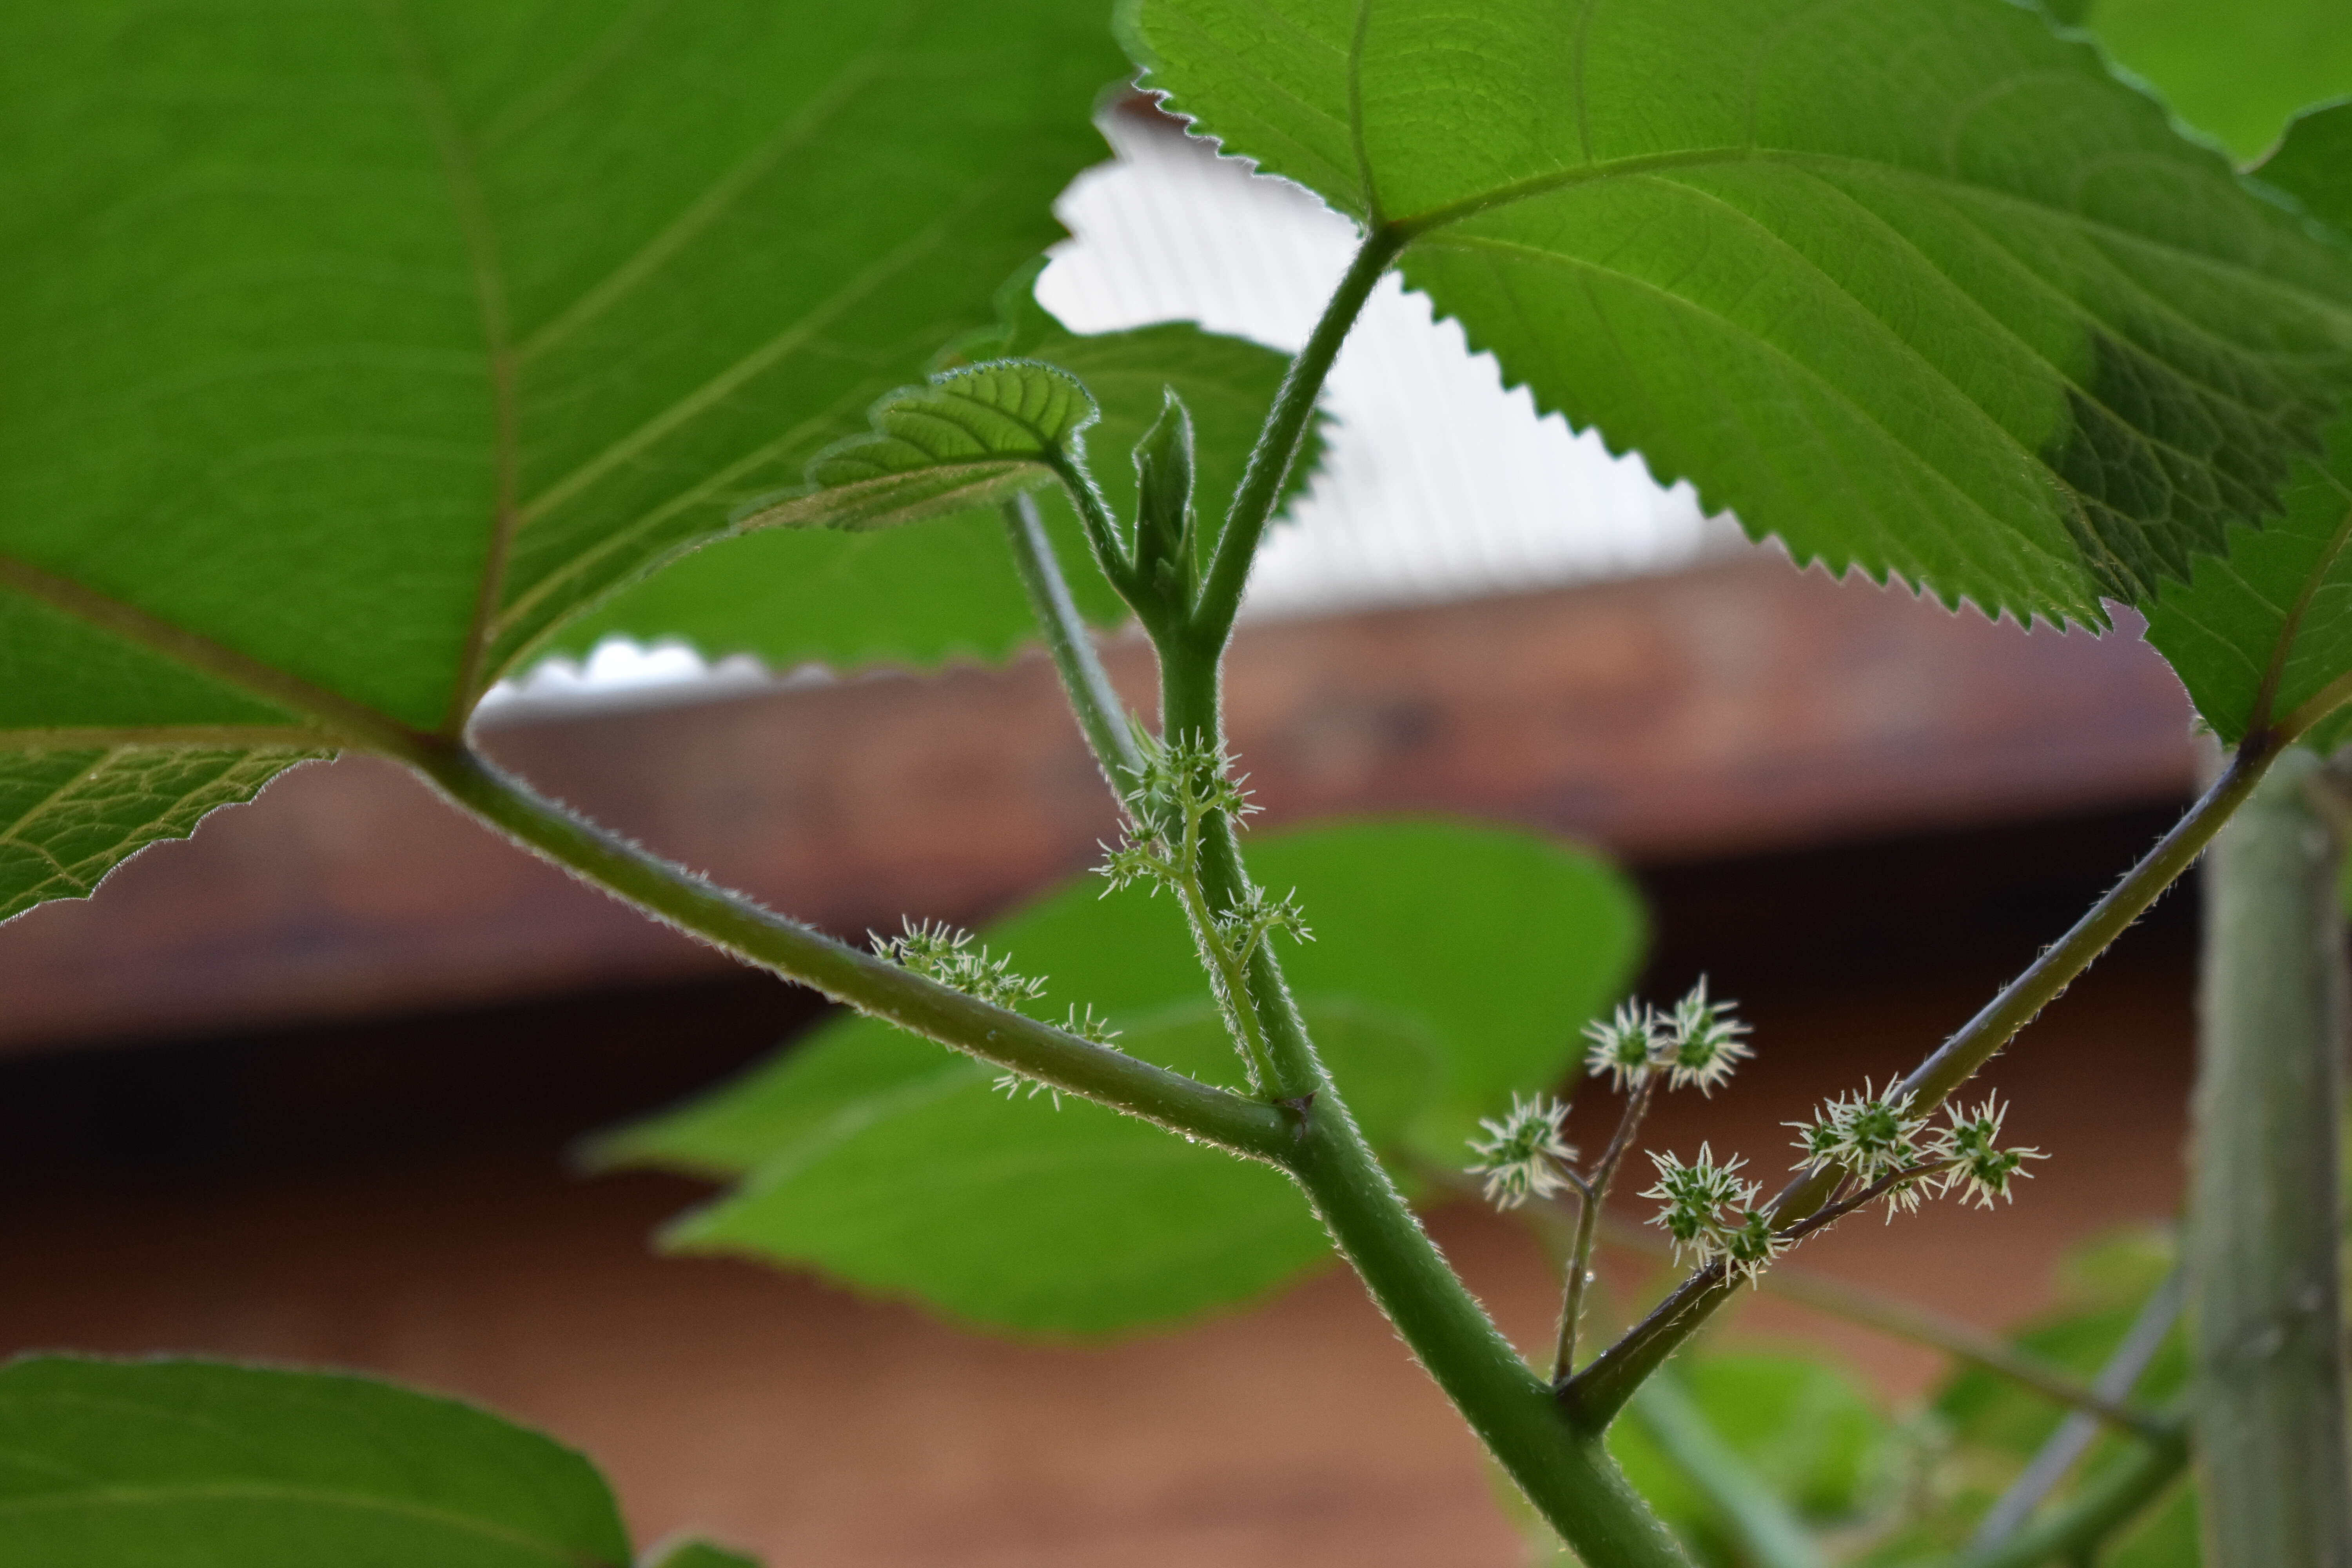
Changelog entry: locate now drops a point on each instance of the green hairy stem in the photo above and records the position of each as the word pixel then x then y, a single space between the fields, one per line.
pixel 857 979
pixel 2263 1232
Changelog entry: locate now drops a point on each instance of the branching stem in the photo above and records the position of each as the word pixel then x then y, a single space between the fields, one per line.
pixel 1592 1193
pixel 758 936
pixel 1601 1390
pixel 1095 703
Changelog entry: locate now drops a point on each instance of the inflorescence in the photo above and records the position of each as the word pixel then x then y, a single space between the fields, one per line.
pixel 1523 1155
pixel 939 952
pixel 1712 1216
pixel 1883 1144
pixel 1697 1042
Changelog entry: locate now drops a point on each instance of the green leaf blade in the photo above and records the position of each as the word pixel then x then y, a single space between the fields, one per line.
pixel 1917 287
pixel 191 1464
pixel 68 818
pixel 945 587
pixel 880 1159
pixel 968 439
pixel 361 349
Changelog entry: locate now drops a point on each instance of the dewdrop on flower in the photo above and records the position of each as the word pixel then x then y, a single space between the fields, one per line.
pixel 1523 1155
pixel 1701 1042
pixel 1979 1166
pixel 1622 1046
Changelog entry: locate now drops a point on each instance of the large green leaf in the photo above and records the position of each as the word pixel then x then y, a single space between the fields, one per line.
pixel 2266 630
pixel 881 1159
pixel 2239 70
pixel 352 348
pixel 1914 285
pixel 1047 1217
pixel 947 588
pixel 198 1465
pixel 1412 920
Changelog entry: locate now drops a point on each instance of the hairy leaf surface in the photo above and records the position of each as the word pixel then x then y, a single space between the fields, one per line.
pixel 2262 635
pixel 68 818
pixel 196 1465
pixel 966 438
pixel 1040 1218
pixel 1914 285
pixel 350 350
pixel 946 588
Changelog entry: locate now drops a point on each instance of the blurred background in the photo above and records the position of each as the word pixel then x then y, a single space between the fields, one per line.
pixel 303 1089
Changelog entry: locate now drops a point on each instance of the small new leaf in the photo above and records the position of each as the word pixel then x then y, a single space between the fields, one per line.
pixel 1165 552
pixel 968 439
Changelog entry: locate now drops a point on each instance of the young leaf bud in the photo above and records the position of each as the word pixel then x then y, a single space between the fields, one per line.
pixel 1164 526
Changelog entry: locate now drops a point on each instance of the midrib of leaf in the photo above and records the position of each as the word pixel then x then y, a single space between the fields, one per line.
pixel 704 210
pixel 489 296
pixel 346 719
pixel 316 1497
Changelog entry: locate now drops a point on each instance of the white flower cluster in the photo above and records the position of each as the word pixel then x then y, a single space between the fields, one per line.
pixel 1877 1135
pixel 942 953
pixel 1181 782
pixel 1712 1216
pixel 1697 1042
pixel 1523 1155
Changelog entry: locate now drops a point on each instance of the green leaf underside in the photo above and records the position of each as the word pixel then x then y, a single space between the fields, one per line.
pixel 2265 629
pixel 1914 285
pixel 2238 71
pixel 967 438
pixel 1411 918
pixel 198 1465
pixel 1809 1432
pixel 946 588
pixel 366 344
pixel 68 818
pixel 853 1144
pixel 1064 1220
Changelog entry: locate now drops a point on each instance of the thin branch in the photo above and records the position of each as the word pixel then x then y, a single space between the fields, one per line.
pixel 2103 1507
pixel 1278 442
pixel 2115 1381
pixel 1921 1327
pixel 1770 1533
pixel 1095 703
pixel 1593 1192
pixel 1601 1390
pixel 736 925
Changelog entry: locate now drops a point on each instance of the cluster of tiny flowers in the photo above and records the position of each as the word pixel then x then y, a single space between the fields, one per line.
pixel 1698 1042
pixel 1083 1025
pixel 942 953
pixel 1978 1165
pixel 1523 1155
pixel 1257 915
pixel 1178 784
pixel 1711 1214
pixel 1876 1134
